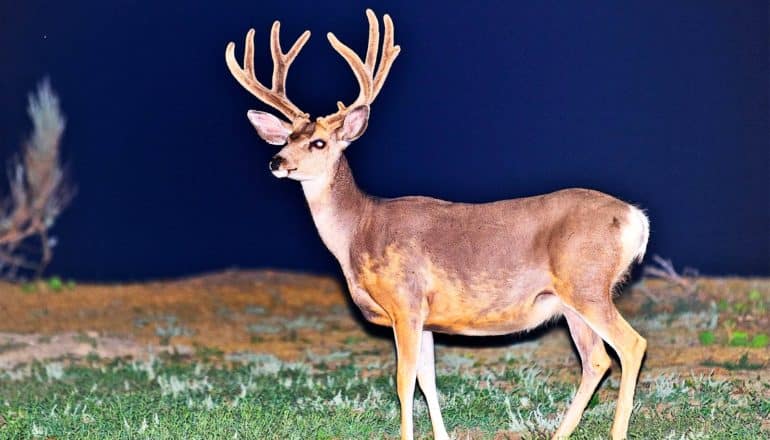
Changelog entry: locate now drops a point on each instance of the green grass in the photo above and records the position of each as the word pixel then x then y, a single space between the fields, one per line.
pixel 53 284
pixel 707 337
pixel 264 398
pixel 727 313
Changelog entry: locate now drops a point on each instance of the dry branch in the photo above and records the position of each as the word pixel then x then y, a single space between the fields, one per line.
pixel 665 270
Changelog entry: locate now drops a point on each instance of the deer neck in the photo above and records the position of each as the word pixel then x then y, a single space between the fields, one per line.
pixel 337 206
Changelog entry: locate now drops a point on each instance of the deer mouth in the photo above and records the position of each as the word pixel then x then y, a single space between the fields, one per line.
pixel 283 173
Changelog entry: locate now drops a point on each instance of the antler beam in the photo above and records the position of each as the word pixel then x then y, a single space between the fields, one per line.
pixel 369 82
pixel 276 95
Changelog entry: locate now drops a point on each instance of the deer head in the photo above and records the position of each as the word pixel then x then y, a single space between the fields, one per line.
pixel 311 148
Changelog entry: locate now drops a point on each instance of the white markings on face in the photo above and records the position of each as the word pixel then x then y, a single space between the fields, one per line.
pixel 280 173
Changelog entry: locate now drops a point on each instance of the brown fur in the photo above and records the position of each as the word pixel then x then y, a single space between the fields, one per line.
pixel 493 268
pixel 478 268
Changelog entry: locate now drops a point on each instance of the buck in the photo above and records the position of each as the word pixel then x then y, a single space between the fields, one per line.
pixel 421 265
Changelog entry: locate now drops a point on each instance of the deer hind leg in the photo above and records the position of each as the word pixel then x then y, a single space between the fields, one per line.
pixel 426 377
pixel 605 320
pixel 408 335
pixel 595 363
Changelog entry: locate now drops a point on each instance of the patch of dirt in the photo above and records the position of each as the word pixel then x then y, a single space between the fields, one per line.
pixel 296 316
pixel 18 349
pixel 265 311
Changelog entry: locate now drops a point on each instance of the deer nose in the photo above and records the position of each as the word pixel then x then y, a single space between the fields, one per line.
pixel 276 162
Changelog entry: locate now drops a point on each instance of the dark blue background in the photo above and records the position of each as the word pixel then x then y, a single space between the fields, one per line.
pixel 661 103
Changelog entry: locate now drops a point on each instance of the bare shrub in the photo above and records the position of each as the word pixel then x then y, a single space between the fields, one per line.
pixel 664 269
pixel 38 190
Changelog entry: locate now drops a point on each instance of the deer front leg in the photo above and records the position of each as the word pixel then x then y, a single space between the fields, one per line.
pixel 407 335
pixel 426 377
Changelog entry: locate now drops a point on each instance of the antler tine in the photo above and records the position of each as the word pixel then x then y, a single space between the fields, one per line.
pixel 282 61
pixel 389 54
pixel 369 83
pixel 363 75
pixel 276 95
pixel 374 40
pixel 248 53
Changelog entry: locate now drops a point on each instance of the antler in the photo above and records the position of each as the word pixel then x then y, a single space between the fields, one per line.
pixel 275 96
pixel 369 82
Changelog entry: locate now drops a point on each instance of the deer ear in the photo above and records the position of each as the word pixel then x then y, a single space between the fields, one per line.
pixel 271 129
pixel 355 124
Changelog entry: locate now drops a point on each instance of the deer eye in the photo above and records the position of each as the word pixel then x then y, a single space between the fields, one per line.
pixel 318 143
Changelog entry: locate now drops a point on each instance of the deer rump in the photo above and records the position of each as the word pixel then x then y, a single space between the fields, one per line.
pixel 492 268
